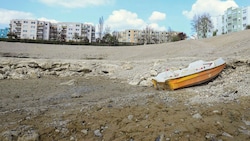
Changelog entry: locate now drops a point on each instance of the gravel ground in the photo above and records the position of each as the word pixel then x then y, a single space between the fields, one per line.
pixel 110 99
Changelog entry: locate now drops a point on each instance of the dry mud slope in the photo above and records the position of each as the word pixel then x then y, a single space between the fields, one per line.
pixel 79 93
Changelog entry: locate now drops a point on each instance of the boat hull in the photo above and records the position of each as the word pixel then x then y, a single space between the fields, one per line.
pixel 194 79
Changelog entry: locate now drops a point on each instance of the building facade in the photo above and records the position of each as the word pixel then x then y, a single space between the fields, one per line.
pixel 233 20
pixel 42 30
pixel 137 36
pixel 129 36
pixel 4 32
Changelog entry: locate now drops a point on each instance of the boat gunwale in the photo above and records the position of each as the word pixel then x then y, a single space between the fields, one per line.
pixel 197 83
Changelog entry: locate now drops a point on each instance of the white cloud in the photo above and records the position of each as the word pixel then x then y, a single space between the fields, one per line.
pixel 49 20
pixel 123 19
pixel 76 3
pixel 7 15
pixel 157 16
pixel 213 7
pixel 156 27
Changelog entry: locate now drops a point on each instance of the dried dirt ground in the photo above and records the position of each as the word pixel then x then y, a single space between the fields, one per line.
pixel 104 109
pixel 107 108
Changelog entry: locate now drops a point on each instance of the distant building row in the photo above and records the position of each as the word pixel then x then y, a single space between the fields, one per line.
pixel 43 30
pixel 68 31
pixel 233 20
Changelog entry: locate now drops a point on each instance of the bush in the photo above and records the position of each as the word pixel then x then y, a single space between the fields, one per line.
pixel 175 38
pixel 248 27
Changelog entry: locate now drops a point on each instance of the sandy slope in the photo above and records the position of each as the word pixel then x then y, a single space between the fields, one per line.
pixel 224 46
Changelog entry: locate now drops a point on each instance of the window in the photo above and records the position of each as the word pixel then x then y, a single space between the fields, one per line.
pixel 25 21
pixel 33 22
pixel 25 31
pixel 32 26
pixel 244 18
pixel 25 26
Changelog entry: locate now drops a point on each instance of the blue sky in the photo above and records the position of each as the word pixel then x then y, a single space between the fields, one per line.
pixel 118 14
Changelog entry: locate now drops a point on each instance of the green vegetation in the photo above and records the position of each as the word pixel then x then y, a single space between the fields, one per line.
pixel 111 43
pixel 248 27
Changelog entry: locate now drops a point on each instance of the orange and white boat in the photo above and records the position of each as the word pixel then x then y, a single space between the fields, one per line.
pixel 196 73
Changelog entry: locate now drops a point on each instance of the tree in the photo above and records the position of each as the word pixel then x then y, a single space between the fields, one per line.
pixel 76 36
pixel 170 34
pixel 147 36
pixel 100 27
pixel 12 35
pixel 202 24
pixel 107 30
pixel 84 32
pixel 179 36
pixel 108 38
pixel 248 27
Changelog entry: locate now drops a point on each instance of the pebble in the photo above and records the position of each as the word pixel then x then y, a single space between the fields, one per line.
pixel 98 133
pixel 130 117
pixel 197 116
pixel 84 131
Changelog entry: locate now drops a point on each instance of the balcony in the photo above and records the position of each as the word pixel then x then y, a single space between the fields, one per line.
pixel 18 24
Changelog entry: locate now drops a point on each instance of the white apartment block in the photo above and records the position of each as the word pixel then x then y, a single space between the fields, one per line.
pixel 42 30
pixel 30 29
pixel 233 20
pixel 245 17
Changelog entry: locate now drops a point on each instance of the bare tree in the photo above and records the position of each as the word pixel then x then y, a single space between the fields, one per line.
pixel 100 27
pixel 202 24
pixel 107 30
pixel 147 36
pixel 170 34
pixel 76 36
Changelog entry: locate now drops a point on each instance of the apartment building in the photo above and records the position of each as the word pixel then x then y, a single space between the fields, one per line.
pixel 129 36
pixel 233 20
pixel 136 36
pixel 245 17
pixel 4 32
pixel 42 30
pixel 76 31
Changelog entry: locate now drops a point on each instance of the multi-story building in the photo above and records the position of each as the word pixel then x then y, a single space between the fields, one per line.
pixel 88 30
pixel 130 36
pixel 138 36
pixel 233 20
pixel 30 29
pixel 76 31
pixel 42 30
pixel 245 17
pixel 4 32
